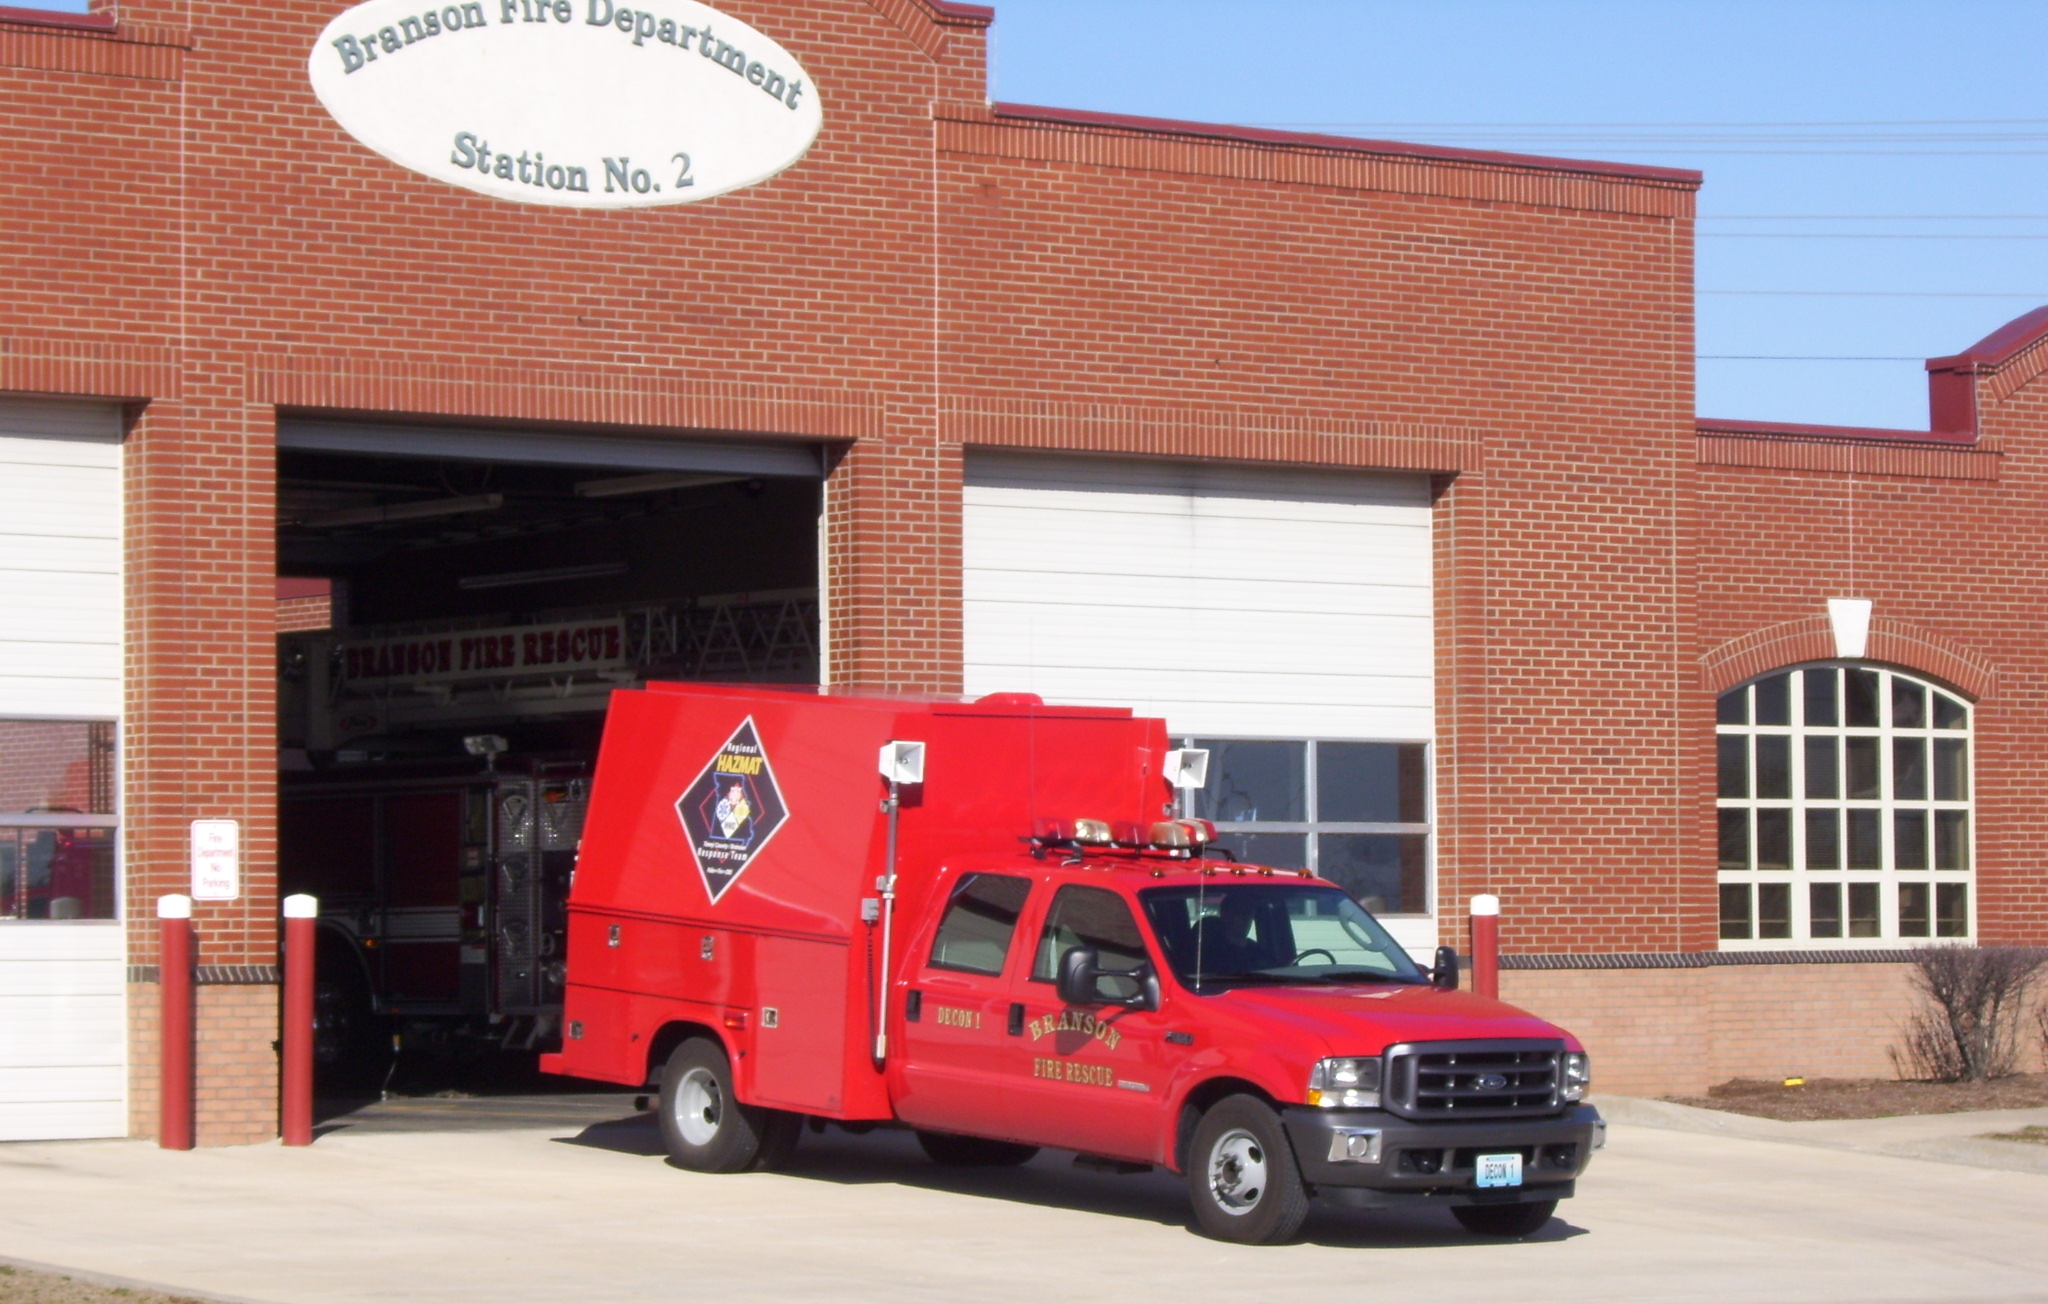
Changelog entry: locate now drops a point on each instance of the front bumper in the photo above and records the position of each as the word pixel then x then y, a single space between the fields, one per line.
pixel 1433 1163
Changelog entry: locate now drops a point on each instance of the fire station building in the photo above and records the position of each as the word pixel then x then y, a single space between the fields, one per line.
pixel 352 452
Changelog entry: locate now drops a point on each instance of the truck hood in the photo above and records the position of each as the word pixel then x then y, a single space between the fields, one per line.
pixel 1364 1020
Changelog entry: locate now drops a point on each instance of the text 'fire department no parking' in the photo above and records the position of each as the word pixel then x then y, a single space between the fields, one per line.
pixel 731 810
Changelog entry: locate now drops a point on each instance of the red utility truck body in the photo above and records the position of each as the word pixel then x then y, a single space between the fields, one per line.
pixel 729 889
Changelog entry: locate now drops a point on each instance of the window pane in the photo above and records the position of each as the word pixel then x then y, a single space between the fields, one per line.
pixel 1774 910
pixel 1952 839
pixel 1773 765
pixel 1774 700
pixel 974 934
pixel 57 874
pixel 1384 872
pixel 1370 783
pixel 1735 920
pixel 1909 839
pixel 1823 839
pixel 1823 767
pixel 1909 769
pixel 1088 916
pixel 1774 839
pixel 1915 920
pixel 1280 850
pixel 1823 697
pixel 1952 910
pixel 1733 755
pixel 1863 917
pixel 1909 704
pixel 1732 707
pixel 1866 842
pixel 1735 839
pixel 1863 772
pixel 1861 695
pixel 1253 782
pixel 56 765
pixel 1951 769
pixel 1949 713
pixel 1824 910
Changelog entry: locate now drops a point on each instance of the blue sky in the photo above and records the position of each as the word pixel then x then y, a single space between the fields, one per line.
pixel 1877 172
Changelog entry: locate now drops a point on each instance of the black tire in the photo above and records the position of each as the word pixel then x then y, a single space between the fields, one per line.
pixel 1242 1178
pixel 956 1151
pixel 703 1126
pixel 351 1045
pixel 1504 1219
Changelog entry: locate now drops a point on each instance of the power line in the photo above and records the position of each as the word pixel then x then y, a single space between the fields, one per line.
pixel 1882 294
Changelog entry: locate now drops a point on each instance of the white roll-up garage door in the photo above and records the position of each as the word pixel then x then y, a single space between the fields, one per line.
pixel 1240 603
pixel 1230 599
pixel 63 1043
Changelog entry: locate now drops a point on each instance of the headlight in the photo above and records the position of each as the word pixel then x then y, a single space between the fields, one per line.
pixel 1345 1084
pixel 1578 1075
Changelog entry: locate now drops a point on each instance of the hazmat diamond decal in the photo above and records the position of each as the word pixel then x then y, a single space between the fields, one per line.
pixel 731 810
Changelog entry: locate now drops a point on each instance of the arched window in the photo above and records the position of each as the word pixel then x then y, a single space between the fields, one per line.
pixel 1844 795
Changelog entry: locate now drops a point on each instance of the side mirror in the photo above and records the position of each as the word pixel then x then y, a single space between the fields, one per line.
pixel 1081 980
pixel 1445 974
pixel 1076 982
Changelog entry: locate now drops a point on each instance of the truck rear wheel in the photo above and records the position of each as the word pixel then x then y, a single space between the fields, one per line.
pixel 1504 1219
pixel 1242 1178
pixel 973 1152
pixel 704 1127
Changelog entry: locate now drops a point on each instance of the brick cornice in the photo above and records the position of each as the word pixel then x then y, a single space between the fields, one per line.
pixel 1046 135
pixel 85 43
pixel 1847 451
pixel 565 395
pixel 1893 642
pixel 1244 435
pixel 926 22
pixel 88 368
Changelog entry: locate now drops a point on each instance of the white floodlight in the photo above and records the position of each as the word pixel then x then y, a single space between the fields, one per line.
pixel 903 762
pixel 1188 767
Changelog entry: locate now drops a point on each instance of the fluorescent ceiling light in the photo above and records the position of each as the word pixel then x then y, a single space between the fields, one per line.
pixel 404 511
pixel 512 579
pixel 619 486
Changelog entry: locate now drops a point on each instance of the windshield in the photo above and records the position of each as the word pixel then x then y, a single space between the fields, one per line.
pixel 1231 934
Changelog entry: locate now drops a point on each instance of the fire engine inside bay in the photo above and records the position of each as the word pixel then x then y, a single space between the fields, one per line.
pixel 455 609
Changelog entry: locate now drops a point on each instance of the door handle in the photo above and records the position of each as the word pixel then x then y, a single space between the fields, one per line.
pixel 1016 1018
pixel 913 1005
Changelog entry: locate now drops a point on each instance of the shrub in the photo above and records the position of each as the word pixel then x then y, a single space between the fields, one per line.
pixel 1976 998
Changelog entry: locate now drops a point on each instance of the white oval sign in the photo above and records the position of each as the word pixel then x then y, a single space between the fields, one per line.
pixel 575 103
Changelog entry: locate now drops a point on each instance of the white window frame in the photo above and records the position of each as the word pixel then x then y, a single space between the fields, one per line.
pixel 1800 879
pixel 1310 827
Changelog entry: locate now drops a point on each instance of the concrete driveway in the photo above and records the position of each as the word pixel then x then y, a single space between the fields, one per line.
pixel 503 1210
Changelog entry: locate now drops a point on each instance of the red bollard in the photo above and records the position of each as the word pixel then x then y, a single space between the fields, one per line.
pixel 299 942
pixel 174 1022
pixel 1486 946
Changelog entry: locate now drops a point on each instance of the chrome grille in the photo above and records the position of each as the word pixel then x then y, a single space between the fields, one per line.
pixel 1473 1079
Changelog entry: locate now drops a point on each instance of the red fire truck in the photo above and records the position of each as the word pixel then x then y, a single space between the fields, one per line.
pixel 1007 942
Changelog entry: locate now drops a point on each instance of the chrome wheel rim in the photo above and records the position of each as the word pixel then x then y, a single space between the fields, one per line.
pixel 698 1106
pixel 1237 1172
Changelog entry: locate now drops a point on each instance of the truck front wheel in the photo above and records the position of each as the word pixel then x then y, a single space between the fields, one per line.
pixel 1242 1178
pixel 703 1126
pixel 1504 1219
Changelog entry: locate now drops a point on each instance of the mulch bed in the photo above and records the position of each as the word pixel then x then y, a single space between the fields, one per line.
pixel 20 1286
pixel 1868 1097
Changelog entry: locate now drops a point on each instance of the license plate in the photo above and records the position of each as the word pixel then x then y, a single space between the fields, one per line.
pixel 1499 1170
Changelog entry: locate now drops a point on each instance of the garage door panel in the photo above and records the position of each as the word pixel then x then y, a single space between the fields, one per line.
pixel 64 1120
pixel 82 977
pixel 63 990
pixel 1285 706
pixel 1293 645
pixel 1326 600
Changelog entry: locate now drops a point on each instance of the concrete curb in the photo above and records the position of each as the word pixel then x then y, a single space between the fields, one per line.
pixel 1938 1138
pixel 125 1283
